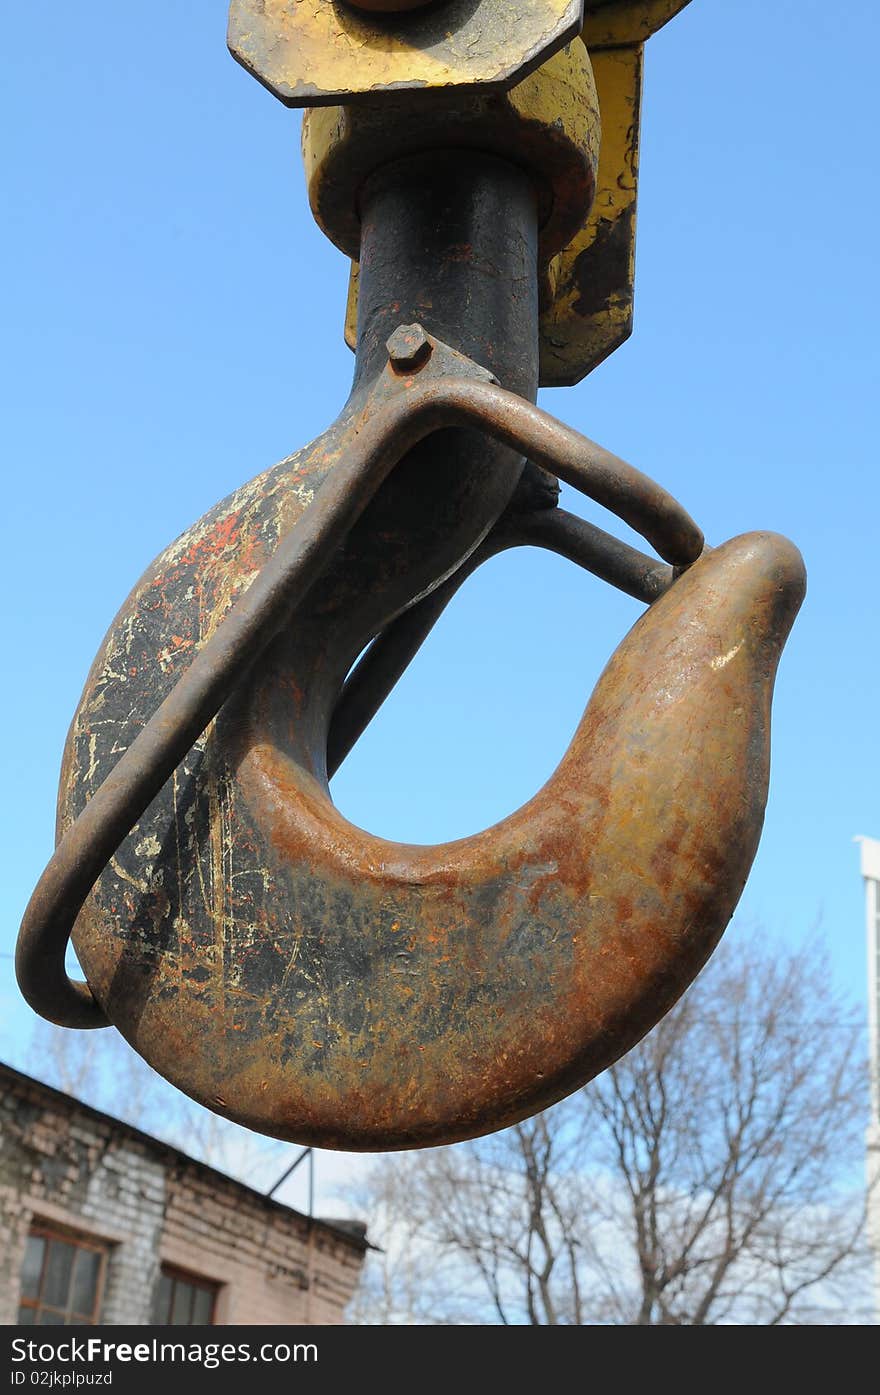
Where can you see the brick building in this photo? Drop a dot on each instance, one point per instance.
(100, 1223)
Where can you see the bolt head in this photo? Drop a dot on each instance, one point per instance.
(409, 348)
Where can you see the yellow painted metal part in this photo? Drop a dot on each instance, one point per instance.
(588, 305)
(351, 306)
(608, 23)
(549, 124)
(588, 287)
(313, 52)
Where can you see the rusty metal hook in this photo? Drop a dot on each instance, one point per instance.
(276, 963)
(398, 413)
(385, 996)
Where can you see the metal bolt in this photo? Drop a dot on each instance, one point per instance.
(409, 348)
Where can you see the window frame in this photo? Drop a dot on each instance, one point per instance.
(79, 1240)
(197, 1282)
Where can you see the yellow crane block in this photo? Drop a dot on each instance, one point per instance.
(588, 290)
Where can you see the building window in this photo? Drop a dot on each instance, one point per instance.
(61, 1280)
(182, 1300)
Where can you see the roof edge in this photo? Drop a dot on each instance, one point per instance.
(342, 1231)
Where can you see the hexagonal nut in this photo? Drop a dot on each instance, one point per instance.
(409, 348)
(312, 53)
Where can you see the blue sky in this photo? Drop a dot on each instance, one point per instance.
(173, 324)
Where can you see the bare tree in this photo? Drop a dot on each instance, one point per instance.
(714, 1175)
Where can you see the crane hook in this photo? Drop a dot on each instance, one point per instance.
(323, 985)
(278, 964)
